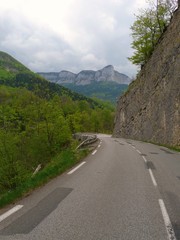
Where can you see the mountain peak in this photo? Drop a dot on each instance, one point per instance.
(11, 64)
(109, 67)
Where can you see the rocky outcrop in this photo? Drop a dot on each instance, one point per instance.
(150, 109)
(87, 76)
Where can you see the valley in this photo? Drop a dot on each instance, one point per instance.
(106, 84)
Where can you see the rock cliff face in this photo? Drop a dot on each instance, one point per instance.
(87, 76)
(150, 109)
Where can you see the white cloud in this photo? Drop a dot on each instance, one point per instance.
(71, 35)
(92, 62)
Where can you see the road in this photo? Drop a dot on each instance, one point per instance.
(124, 190)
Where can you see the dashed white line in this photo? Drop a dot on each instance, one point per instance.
(167, 222)
(10, 212)
(76, 168)
(152, 178)
(94, 152)
(145, 160)
(151, 173)
(134, 147)
(99, 145)
(138, 151)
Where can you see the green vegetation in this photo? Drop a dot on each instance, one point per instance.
(14, 74)
(40, 86)
(11, 65)
(37, 121)
(149, 27)
(56, 166)
(174, 148)
(5, 75)
(106, 91)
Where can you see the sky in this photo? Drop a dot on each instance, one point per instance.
(73, 35)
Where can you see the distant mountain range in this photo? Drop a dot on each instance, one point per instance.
(85, 77)
(106, 84)
(15, 74)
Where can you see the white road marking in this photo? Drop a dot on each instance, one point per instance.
(144, 159)
(134, 147)
(151, 173)
(99, 145)
(152, 178)
(138, 151)
(10, 212)
(76, 168)
(94, 152)
(167, 222)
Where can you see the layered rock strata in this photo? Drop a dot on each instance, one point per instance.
(86, 77)
(150, 109)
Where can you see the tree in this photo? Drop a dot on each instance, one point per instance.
(148, 28)
(34, 130)
(12, 171)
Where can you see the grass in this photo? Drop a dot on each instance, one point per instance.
(58, 165)
(174, 148)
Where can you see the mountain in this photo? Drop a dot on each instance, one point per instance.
(85, 77)
(15, 74)
(10, 65)
(105, 84)
(150, 108)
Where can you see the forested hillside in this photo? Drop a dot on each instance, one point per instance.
(106, 84)
(106, 91)
(37, 121)
(15, 74)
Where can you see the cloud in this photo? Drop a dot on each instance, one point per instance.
(37, 47)
(70, 35)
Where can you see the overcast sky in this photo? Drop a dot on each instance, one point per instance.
(55, 35)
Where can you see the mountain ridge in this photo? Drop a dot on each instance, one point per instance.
(10, 64)
(85, 77)
(14, 74)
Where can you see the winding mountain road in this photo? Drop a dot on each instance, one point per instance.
(124, 190)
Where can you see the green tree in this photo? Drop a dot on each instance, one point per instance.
(34, 130)
(12, 170)
(148, 28)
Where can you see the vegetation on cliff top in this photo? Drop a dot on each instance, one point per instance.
(149, 27)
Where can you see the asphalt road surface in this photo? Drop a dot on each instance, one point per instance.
(124, 190)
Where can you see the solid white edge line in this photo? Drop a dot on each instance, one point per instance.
(74, 169)
(94, 152)
(167, 222)
(153, 178)
(10, 212)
